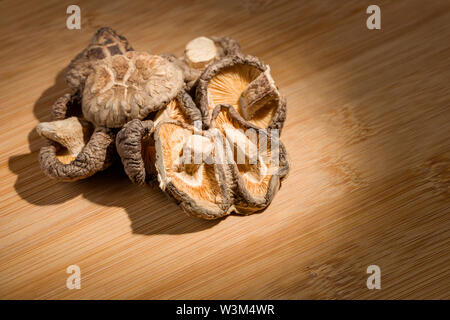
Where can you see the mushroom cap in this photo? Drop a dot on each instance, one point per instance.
(129, 86)
(104, 43)
(206, 186)
(135, 143)
(211, 188)
(96, 155)
(262, 166)
(245, 83)
(201, 189)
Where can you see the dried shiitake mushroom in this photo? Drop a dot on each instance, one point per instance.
(217, 157)
(75, 149)
(245, 83)
(202, 189)
(129, 86)
(259, 159)
(201, 52)
(105, 43)
(224, 169)
(135, 143)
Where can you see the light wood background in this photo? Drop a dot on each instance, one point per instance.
(368, 134)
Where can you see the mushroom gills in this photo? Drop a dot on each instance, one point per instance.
(257, 169)
(195, 185)
(251, 162)
(236, 85)
(173, 111)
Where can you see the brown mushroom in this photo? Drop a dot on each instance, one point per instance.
(104, 43)
(74, 149)
(236, 164)
(259, 159)
(129, 86)
(135, 143)
(245, 83)
(214, 172)
(202, 188)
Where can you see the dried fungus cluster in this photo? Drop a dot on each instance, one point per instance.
(205, 125)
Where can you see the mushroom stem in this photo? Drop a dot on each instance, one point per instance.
(72, 133)
(257, 94)
(200, 52)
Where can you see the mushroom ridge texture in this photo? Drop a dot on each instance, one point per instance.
(104, 43)
(245, 83)
(130, 86)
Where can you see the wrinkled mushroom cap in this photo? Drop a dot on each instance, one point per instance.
(259, 159)
(129, 86)
(74, 149)
(135, 143)
(245, 83)
(95, 156)
(104, 43)
(136, 149)
(199, 188)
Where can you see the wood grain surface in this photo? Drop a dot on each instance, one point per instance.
(367, 132)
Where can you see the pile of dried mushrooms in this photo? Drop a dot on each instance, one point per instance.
(206, 125)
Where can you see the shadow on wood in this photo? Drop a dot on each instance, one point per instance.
(149, 209)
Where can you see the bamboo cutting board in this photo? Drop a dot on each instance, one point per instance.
(367, 132)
